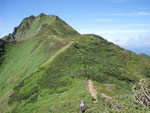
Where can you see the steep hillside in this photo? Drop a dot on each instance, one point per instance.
(47, 64)
(49, 24)
(144, 55)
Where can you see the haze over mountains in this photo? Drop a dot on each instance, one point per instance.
(140, 45)
(45, 65)
(139, 50)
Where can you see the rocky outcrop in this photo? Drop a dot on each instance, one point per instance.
(8, 38)
(23, 29)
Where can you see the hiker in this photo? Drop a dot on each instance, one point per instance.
(82, 106)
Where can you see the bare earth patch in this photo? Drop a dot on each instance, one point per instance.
(92, 91)
(61, 50)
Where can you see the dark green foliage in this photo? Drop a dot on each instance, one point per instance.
(144, 55)
(104, 60)
(2, 50)
(146, 71)
(87, 58)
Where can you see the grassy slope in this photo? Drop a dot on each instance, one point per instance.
(25, 55)
(58, 79)
(2, 44)
(44, 83)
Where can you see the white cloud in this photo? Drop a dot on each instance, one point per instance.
(1, 36)
(120, 31)
(143, 8)
(118, 1)
(139, 41)
(131, 14)
(140, 24)
(118, 41)
(145, 39)
(123, 37)
(143, 13)
(132, 41)
(102, 20)
(124, 42)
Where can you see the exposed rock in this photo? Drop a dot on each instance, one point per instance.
(23, 30)
(39, 29)
(9, 38)
(37, 19)
(53, 16)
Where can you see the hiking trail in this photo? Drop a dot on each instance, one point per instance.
(92, 91)
(61, 50)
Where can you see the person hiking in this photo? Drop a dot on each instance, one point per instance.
(82, 107)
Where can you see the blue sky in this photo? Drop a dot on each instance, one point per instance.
(124, 22)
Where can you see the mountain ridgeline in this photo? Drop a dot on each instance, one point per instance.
(45, 65)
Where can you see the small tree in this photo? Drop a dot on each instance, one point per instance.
(142, 94)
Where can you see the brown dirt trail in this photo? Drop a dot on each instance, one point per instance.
(60, 51)
(92, 91)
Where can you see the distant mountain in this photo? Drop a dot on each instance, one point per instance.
(144, 55)
(46, 65)
(139, 49)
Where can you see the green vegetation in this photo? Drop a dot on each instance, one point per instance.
(144, 55)
(46, 68)
(2, 45)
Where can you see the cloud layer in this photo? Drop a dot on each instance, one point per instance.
(105, 31)
(131, 14)
(118, 1)
(102, 20)
(143, 40)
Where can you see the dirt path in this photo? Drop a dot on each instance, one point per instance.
(61, 50)
(92, 91)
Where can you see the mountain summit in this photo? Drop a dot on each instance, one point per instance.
(33, 25)
(45, 66)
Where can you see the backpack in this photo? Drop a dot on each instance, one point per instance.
(83, 108)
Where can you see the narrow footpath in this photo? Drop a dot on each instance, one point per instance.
(92, 91)
(60, 51)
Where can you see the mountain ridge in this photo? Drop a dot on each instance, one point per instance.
(34, 25)
(46, 66)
